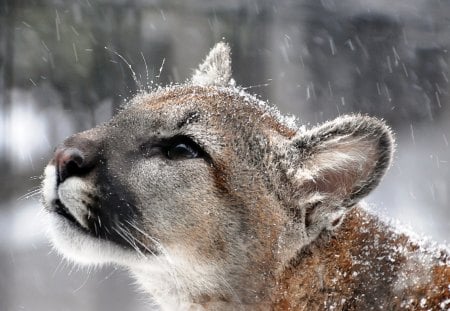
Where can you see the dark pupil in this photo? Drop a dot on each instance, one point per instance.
(181, 151)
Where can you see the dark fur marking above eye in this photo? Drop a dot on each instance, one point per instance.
(188, 118)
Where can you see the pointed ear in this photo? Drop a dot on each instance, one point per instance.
(338, 163)
(215, 69)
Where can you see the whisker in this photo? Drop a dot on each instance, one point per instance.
(72, 269)
(168, 265)
(138, 84)
(172, 271)
(31, 193)
(256, 86)
(84, 282)
(146, 70)
(108, 276)
(61, 261)
(131, 242)
(142, 232)
(227, 285)
(161, 69)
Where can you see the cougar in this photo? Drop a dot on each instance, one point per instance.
(213, 200)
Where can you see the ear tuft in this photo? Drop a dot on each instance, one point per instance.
(216, 68)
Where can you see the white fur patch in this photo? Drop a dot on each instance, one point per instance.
(49, 184)
(79, 247)
(174, 277)
(73, 194)
(69, 240)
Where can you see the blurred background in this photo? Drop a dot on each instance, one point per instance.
(61, 71)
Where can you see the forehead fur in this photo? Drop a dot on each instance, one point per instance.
(227, 106)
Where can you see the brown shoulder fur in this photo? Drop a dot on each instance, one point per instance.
(365, 266)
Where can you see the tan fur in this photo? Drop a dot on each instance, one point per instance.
(261, 217)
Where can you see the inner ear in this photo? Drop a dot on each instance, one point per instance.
(344, 159)
(341, 166)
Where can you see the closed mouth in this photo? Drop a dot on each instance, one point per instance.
(109, 227)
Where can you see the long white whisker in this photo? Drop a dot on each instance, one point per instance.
(256, 86)
(138, 84)
(171, 267)
(146, 71)
(161, 69)
(89, 272)
(228, 286)
(128, 240)
(31, 193)
(61, 261)
(108, 276)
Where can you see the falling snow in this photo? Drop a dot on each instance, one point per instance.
(71, 65)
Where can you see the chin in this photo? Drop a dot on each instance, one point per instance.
(78, 247)
(75, 245)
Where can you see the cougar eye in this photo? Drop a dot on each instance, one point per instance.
(181, 151)
(182, 148)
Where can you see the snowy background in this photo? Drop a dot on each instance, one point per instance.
(59, 74)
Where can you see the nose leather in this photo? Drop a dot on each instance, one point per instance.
(69, 162)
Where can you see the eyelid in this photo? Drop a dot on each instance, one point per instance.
(183, 138)
(158, 146)
(180, 139)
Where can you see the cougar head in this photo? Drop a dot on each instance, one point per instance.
(202, 190)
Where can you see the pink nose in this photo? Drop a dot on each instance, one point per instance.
(69, 162)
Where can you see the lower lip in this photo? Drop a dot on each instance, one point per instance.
(62, 210)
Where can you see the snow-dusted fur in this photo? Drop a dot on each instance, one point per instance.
(215, 69)
(215, 201)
